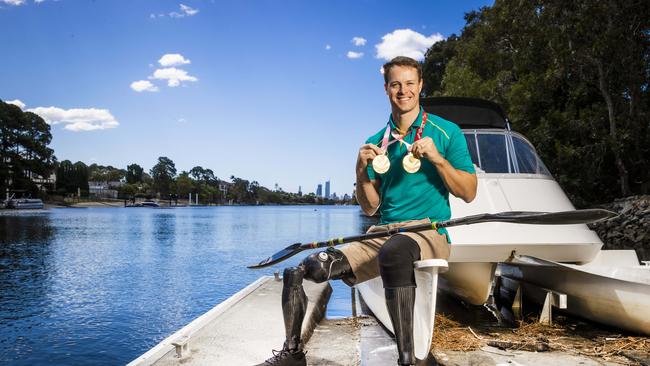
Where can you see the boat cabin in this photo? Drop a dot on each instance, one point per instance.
(493, 146)
(511, 177)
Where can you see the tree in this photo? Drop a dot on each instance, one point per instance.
(573, 77)
(436, 60)
(24, 151)
(204, 175)
(184, 184)
(163, 174)
(70, 178)
(100, 173)
(134, 173)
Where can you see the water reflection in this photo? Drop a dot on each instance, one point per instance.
(101, 286)
(25, 271)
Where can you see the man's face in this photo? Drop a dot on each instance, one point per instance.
(403, 88)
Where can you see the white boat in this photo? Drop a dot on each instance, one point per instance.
(511, 177)
(24, 203)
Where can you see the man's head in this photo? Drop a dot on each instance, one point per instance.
(403, 83)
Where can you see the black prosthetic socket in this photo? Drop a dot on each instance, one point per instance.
(294, 306)
(396, 259)
(400, 302)
(328, 265)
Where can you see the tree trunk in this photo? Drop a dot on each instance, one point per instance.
(616, 148)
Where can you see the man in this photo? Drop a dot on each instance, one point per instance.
(406, 190)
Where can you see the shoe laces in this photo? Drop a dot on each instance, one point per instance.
(277, 356)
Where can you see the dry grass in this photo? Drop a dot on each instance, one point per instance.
(450, 335)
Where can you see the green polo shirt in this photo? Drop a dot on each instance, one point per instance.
(406, 196)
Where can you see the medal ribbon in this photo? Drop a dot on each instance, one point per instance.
(398, 137)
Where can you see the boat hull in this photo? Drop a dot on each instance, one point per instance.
(426, 278)
(610, 291)
(470, 282)
(25, 204)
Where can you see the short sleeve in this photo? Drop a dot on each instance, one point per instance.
(457, 153)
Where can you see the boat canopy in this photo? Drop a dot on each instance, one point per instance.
(467, 112)
(502, 151)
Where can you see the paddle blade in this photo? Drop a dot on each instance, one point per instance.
(560, 218)
(536, 218)
(285, 253)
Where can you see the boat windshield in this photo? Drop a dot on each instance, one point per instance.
(503, 152)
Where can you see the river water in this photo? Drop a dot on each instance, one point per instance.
(101, 286)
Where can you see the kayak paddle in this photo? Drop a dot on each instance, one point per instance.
(514, 217)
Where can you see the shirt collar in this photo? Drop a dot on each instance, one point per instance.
(416, 124)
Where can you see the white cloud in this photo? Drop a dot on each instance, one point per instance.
(173, 59)
(143, 85)
(77, 119)
(173, 76)
(328, 47)
(38, 1)
(13, 2)
(182, 120)
(186, 11)
(16, 102)
(353, 55)
(405, 42)
(189, 11)
(359, 41)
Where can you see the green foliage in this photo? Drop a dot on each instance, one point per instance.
(100, 173)
(72, 178)
(573, 77)
(163, 174)
(24, 151)
(134, 174)
(436, 60)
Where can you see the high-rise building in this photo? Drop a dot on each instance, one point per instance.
(299, 190)
(319, 190)
(327, 189)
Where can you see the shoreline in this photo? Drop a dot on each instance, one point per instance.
(164, 204)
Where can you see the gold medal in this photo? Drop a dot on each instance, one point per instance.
(410, 163)
(380, 164)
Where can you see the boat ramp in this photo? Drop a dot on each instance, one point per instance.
(244, 329)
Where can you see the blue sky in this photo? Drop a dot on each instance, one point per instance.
(275, 91)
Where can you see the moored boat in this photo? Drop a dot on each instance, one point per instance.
(512, 177)
(24, 203)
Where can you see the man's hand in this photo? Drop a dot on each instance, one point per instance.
(367, 152)
(425, 148)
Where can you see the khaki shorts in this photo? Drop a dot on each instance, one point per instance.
(363, 255)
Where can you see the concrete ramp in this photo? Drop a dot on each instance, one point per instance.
(240, 331)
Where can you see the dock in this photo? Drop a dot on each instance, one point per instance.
(244, 329)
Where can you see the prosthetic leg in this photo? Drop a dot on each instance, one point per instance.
(396, 259)
(400, 302)
(318, 267)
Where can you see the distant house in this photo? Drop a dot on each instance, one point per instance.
(103, 189)
(43, 184)
(224, 187)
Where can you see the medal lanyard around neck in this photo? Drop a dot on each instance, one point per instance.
(397, 137)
